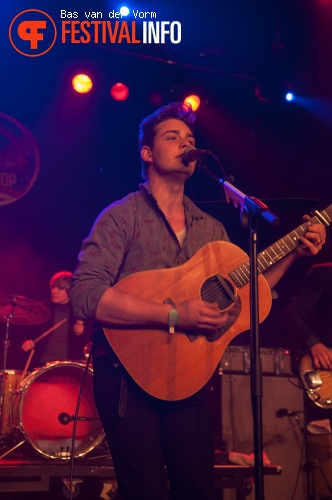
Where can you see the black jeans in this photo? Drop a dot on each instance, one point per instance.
(153, 433)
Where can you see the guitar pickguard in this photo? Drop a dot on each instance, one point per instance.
(316, 382)
(233, 314)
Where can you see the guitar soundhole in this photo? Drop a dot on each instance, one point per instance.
(218, 289)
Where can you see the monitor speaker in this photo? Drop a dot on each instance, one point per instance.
(283, 438)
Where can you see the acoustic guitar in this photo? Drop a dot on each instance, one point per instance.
(173, 367)
(317, 383)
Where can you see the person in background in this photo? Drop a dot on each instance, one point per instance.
(66, 342)
(155, 228)
(308, 322)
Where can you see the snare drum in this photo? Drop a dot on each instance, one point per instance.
(44, 404)
(12, 381)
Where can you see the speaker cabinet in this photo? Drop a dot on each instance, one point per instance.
(320, 453)
(283, 438)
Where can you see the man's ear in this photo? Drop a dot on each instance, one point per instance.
(146, 153)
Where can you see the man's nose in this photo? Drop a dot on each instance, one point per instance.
(185, 143)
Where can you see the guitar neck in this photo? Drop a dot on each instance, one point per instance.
(271, 255)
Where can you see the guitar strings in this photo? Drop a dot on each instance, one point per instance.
(213, 294)
(242, 273)
(214, 290)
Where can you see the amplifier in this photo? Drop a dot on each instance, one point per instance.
(282, 437)
(275, 361)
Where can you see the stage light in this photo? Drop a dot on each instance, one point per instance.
(124, 11)
(194, 101)
(289, 96)
(82, 83)
(119, 92)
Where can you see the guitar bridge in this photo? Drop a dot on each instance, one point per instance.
(313, 380)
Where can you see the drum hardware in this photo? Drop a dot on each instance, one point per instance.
(23, 311)
(9, 317)
(32, 412)
(86, 350)
(64, 418)
(18, 310)
(31, 405)
(12, 449)
(40, 401)
(12, 380)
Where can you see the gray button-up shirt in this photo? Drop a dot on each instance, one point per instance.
(133, 235)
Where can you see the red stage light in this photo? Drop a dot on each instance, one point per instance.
(119, 91)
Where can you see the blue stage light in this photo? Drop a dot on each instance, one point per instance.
(124, 11)
(289, 96)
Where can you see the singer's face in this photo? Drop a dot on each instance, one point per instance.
(171, 138)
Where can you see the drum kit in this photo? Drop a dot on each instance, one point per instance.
(38, 409)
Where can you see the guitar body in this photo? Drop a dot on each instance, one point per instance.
(175, 366)
(317, 383)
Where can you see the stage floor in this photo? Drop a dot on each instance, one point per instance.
(94, 478)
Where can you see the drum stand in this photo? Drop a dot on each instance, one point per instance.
(6, 344)
(12, 449)
(19, 310)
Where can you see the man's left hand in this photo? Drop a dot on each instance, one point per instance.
(313, 240)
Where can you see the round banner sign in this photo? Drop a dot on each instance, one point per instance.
(19, 160)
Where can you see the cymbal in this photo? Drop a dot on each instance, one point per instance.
(24, 311)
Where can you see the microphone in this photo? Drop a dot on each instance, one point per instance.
(192, 154)
(64, 418)
(283, 412)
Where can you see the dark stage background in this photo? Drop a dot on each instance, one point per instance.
(239, 56)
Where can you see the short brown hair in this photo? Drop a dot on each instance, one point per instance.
(147, 130)
(62, 279)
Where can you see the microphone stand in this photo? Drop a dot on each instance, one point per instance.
(252, 209)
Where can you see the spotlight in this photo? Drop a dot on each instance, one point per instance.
(124, 11)
(289, 96)
(82, 83)
(119, 92)
(194, 101)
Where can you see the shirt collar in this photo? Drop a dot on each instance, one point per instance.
(190, 208)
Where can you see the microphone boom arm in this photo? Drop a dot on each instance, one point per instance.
(250, 204)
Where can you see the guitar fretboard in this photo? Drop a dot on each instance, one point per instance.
(279, 249)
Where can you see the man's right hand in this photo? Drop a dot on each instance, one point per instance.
(196, 314)
(321, 356)
(28, 345)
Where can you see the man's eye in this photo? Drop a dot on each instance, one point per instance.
(171, 138)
